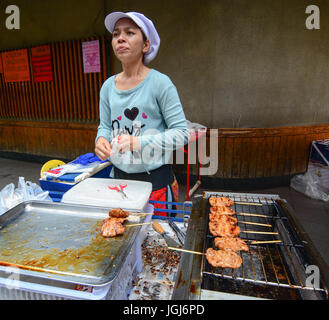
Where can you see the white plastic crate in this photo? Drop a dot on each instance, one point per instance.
(96, 192)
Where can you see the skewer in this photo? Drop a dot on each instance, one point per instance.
(261, 242)
(20, 266)
(184, 250)
(256, 223)
(251, 214)
(137, 224)
(140, 213)
(249, 203)
(259, 232)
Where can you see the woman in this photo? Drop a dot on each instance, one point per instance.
(141, 116)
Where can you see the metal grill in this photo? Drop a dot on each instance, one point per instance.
(272, 264)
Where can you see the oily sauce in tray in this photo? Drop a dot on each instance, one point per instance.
(58, 242)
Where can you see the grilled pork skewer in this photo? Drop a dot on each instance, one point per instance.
(118, 213)
(229, 243)
(223, 258)
(220, 201)
(112, 227)
(222, 217)
(222, 210)
(225, 201)
(222, 228)
(216, 214)
(217, 258)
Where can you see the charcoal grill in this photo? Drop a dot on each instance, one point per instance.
(284, 270)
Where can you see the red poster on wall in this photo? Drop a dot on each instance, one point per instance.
(41, 63)
(16, 65)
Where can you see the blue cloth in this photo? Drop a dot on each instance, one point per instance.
(87, 158)
(152, 111)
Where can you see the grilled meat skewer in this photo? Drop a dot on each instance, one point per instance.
(112, 227)
(229, 243)
(220, 201)
(223, 258)
(221, 228)
(222, 217)
(118, 213)
(222, 210)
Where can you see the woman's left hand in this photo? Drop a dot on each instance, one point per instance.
(127, 142)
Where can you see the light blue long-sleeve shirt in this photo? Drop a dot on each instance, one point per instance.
(153, 112)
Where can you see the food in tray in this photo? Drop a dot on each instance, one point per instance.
(112, 227)
(220, 201)
(219, 228)
(223, 258)
(118, 213)
(230, 243)
(222, 210)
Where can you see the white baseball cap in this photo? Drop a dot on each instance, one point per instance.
(144, 23)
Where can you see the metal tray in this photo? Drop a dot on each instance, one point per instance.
(62, 242)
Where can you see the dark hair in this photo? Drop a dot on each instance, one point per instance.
(144, 36)
(144, 39)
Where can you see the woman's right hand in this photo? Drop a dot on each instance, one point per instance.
(103, 148)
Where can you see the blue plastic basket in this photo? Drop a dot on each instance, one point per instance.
(57, 188)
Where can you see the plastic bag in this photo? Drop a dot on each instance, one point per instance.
(117, 157)
(195, 126)
(309, 185)
(196, 130)
(11, 197)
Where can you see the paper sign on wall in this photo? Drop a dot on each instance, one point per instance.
(91, 58)
(41, 63)
(16, 65)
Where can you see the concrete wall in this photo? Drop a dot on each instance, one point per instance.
(236, 63)
(44, 21)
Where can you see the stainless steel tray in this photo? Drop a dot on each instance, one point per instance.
(62, 242)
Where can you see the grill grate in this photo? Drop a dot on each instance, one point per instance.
(272, 264)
